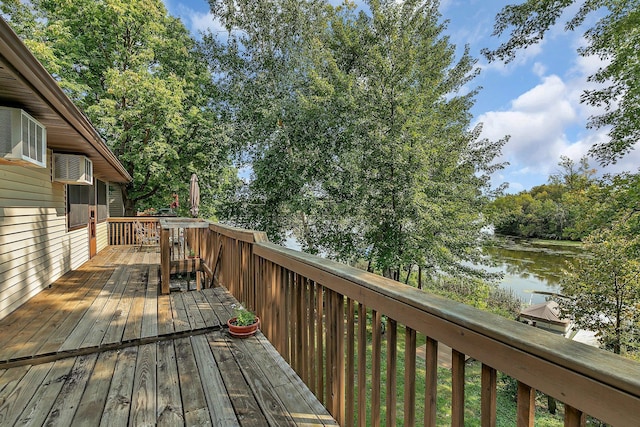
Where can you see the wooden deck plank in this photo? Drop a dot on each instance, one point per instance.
(121, 302)
(220, 407)
(143, 398)
(43, 399)
(193, 400)
(165, 315)
(22, 342)
(118, 404)
(10, 379)
(51, 326)
(94, 398)
(133, 328)
(221, 308)
(66, 405)
(208, 315)
(250, 356)
(291, 389)
(91, 315)
(244, 402)
(200, 380)
(180, 318)
(21, 395)
(150, 314)
(169, 409)
(196, 321)
(107, 315)
(61, 334)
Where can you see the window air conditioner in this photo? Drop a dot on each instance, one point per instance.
(72, 169)
(23, 140)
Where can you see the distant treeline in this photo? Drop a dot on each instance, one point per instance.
(569, 207)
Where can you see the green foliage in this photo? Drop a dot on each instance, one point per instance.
(356, 129)
(614, 38)
(604, 288)
(139, 76)
(244, 317)
(549, 211)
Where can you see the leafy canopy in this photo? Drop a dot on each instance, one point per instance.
(356, 128)
(138, 75)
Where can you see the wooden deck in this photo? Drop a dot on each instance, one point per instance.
(102, 347)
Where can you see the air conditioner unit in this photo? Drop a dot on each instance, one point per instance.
(72, 169)
(23, 140)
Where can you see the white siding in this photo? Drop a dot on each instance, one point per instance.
(35, 248)
(102, 236)
(114, 200)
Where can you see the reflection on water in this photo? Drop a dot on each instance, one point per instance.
(531, 265)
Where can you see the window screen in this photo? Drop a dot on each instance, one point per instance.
(101, 194)
(78, 205)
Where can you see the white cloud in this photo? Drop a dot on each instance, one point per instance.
(536, 123)
(539, 69)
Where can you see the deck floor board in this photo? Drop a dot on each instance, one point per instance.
(102, 347)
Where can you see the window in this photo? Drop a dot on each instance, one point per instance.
(78, 205)
(101, 200)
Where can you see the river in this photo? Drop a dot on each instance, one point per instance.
(532, 265)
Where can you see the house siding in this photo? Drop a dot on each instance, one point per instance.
(102, 235)
(35, 247)
(116, 205)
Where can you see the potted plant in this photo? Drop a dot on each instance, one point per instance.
(192, 253)
(244, 323)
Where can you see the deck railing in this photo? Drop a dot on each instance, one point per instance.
(137, 230)
(353, 338)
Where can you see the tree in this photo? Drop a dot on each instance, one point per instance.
(357, 132)
(139, 77)
(614, 38)
(604, 288)
(573, 177)
(557, 210)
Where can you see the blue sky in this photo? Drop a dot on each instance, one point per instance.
(535, 99)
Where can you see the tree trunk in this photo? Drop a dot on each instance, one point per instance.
(551, 403)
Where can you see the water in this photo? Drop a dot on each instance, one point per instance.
(531, 265)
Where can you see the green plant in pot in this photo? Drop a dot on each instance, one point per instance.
(244, 323)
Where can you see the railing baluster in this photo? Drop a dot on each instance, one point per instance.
(376, 358)
(409, 377)
(431, 382)
(320, 347)
(304, 328)
(313, 372)
(350, 368)
(573, 417)
(526, 405)
(392, 365)
(457, 388)
(337, 368)
(488, 396)
(362, 365)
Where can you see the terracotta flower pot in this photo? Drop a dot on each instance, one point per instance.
(242, 331)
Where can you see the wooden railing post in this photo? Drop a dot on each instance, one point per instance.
(457, 388)
(165, 268)
(574, 417)
(431, 382)
(526, 405)
(488, 396)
